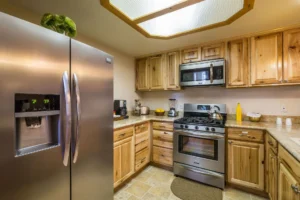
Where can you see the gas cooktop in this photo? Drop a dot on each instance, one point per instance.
(200, 121)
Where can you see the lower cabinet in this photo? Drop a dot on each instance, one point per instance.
(272, 174)
(123, 160)
(246, 164)
(142, 145)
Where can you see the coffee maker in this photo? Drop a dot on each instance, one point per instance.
(120, 107)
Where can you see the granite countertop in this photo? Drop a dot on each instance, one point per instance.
(282, 134)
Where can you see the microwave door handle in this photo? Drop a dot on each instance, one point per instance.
(211, 73)
(67, 95)
(78, 116)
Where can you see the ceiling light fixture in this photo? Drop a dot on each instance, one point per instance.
(165, 19)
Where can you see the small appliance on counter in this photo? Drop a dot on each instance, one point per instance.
(145, 110)
(172, 104)
(120, 107)
(137, 108)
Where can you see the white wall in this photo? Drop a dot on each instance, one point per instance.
(124, 75)
(268, 100)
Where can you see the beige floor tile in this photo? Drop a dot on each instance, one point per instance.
(254, 197)
(236, 194)
(173, 197)
(143, 176)
(134, 198)
(149, 196)
(138, 188)
(121, 195)
(163, 191)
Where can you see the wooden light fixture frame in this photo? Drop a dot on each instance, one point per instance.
(248, 5)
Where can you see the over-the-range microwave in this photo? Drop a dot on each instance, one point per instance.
(210, 72)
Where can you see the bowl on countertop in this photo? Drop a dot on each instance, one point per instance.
(254, 119)
(159, 113)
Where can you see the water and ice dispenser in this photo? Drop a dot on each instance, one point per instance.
(37, 121)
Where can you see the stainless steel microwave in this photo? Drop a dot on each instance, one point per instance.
(203, 73)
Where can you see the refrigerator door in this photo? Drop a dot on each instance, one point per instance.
(92, 150)
(32, 62)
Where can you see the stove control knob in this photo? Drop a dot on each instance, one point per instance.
(196, 127)
(181, 126)
(186, 126)
(213, 129)
(207, 129)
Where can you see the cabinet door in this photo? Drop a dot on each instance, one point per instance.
(172, 70)
(272, 175)
(191, 55)
(117, 164)
(291, 47)
(142, 74)
(237, 63)
(266, 59)
(127, 162)
(285, 183)
(156, 64)
(214, 51)
(245, 164)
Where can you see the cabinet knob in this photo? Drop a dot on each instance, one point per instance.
(229, 142)
(295, 189)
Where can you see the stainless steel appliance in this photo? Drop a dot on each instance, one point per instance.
(199, 145)
(120, 107)
(210, 72)
(172, 108)
(56, 128)
(145, 110)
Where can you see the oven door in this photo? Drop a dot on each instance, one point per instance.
(200, 149)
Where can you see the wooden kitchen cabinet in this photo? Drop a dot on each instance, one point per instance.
(213, 51)
(142, 74)
(142, 145)
(246, 164)
(291, 48)
(172, 70)
(237, 63)
(285, 183)
(266, 59)
(272, 174)
(156, 65)
(191, 55)
(123, 160)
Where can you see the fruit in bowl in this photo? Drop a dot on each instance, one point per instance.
(159, 112)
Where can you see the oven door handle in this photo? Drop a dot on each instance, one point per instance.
(205, 172)
(201, 135)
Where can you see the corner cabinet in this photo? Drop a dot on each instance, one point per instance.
(291, 47)
(172, 70)
(237, 63)
(266, 59)
(142, 74)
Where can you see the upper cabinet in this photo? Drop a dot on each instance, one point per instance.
(156, 65)
(172, 70)
(266, 59)
(191, 55)
(291, 47)
(237, 63)
(142, 74)
(213, 51)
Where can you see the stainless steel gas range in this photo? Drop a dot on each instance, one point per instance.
(199, 144)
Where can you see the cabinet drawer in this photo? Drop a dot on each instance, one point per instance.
(142, 145)
(163, 135)
(289, 161)
(141, 128)
(141, 137)
(246, 134)
(273, 144)
(163, 144)
(123, 133)
(163, 126)
(163, 156)
(141, 158)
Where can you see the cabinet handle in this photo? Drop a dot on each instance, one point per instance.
(295, 188)
(270, 143)
(162, 126)
(251, 137)
(143, 160)
(165, 133)
(229, 142)
(121, 135)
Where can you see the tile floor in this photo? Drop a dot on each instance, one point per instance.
(154, 184)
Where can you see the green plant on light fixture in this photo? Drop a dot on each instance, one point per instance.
(60, 24)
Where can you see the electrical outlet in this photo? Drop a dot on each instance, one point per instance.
(283, 108)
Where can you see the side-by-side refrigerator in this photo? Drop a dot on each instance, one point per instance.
(56, 124)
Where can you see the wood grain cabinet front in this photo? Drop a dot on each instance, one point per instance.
(266, 59)
(156, 65)
(213, 51)
(291, 48)
(142, 74)
(191, 55)
(172, 71)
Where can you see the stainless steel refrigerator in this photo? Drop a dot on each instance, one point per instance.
(56, 124)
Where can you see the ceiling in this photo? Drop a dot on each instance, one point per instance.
(99, 24)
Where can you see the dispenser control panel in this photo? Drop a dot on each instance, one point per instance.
(36, 102)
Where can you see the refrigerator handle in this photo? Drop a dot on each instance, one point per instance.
(68, 118)
(77, 135)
